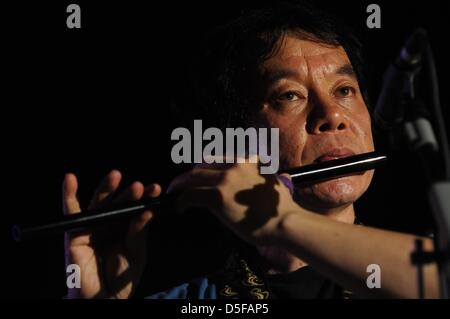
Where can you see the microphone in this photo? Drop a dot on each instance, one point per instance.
(299, 175)
(398, 82)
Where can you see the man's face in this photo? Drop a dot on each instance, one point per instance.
(312, 95)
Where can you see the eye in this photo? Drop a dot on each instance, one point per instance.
(289, 96)
(345, 91)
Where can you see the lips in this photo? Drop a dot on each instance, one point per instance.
(333, 154)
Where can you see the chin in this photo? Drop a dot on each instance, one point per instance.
(334, 193)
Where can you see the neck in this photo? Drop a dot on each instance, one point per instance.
(281, 261)
(344, 214)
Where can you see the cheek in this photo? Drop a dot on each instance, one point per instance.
(292, 135)
(363, 129)
(293, 138)
(291, 147)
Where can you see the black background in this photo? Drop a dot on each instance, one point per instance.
(92, 99)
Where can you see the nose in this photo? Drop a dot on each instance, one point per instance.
(326, 117)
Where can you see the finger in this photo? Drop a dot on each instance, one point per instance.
(138, 224)
(197, 177)
(106, 188)
(136, 238)
(137, 232)
(152, 190)
(70, 201)
(71, 206)
(132, 193)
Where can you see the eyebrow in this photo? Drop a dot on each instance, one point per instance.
(346, 69)
(279, 74)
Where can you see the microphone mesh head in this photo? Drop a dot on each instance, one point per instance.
(413, 48)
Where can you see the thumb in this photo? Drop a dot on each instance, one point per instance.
(137, 231)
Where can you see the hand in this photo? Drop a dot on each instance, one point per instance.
(111, 258)
(250, 204)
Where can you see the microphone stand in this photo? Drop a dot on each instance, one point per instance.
(417, 132)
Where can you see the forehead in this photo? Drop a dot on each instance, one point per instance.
(306, 57)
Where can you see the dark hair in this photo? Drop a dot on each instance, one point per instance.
(222, 76)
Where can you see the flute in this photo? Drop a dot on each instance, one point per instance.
(91, 218)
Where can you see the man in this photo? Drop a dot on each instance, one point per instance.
(291, 68)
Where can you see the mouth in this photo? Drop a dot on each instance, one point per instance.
(333, 154)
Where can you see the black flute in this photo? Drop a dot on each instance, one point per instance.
(299, 175)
